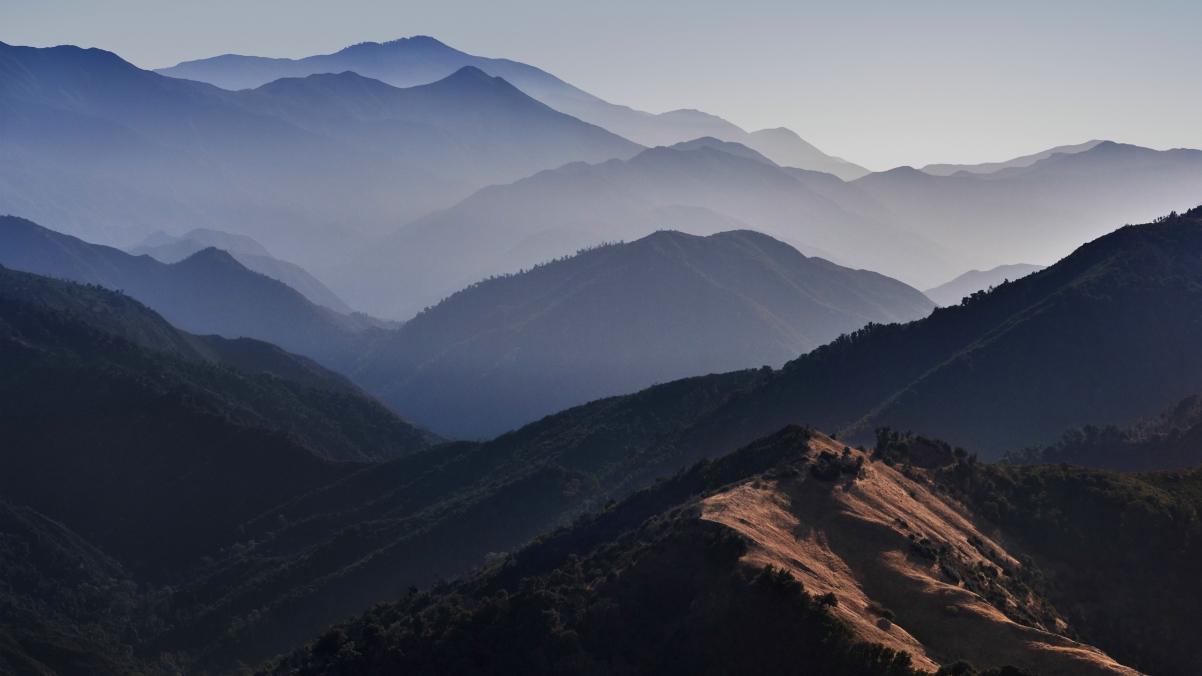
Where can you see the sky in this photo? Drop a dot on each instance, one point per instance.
(880, 83)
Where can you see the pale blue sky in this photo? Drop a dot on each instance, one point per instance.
(881, 83)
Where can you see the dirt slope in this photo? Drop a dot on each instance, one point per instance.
(883, 542)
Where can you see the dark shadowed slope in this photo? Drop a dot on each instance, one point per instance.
(619, 318)
(1109, 334)
(208, 292)
(420, 60)
(951, 293)
(99, 148)
(158, 453)
(163, 461)
(100, 315)
(1172, 440)
(428, 259)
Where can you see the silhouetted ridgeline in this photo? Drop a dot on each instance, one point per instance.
(1109, 333)
(618, 318)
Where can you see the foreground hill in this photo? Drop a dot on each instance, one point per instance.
(208, 292)
(581, 205)
(792, 550)
(619, 318)
(1109, 334)
(99, 148)
(419, 60)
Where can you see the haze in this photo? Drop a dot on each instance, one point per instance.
(882, 84)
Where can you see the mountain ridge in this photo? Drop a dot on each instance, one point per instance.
(421, 59)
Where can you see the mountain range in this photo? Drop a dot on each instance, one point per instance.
(97, 147)
(699, 429)
(341, 537)
(700, 188)
(419, 60)
(616, 319)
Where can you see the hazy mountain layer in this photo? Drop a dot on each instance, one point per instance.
(99, 148)
(990, 167)
(170, 249)
(619, 318)
(208, 292)
(1043, 211)
(418, 60)
(428, 259)
(973, 281)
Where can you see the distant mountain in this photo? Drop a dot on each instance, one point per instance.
(1108, 334)
(557, 212)
(990, 167)
(616, 319)
(101, 149)
(418, 60)
(203, 237)
(1040, 212)
(208, 292)
(170, 249)
(973, 281)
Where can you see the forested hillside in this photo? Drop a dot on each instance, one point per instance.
(1110, 333)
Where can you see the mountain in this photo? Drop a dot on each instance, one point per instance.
(951, 293)
(1106, 335)
(616, 319)
(98, 148)
(170, 249)
(990, 167)
(1039, 212)
(418, 60)
(1172, 440)
(371, 531)
(559, 211)
(208, 292)
(754, 563)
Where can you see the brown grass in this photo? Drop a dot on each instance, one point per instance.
(848, 539)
